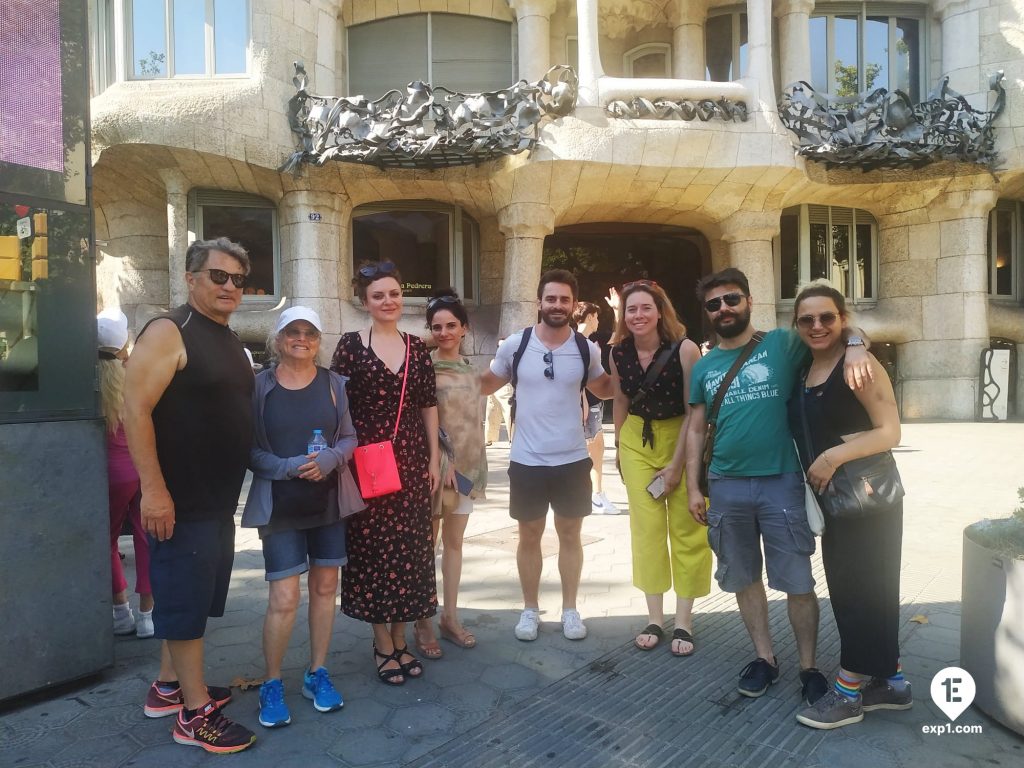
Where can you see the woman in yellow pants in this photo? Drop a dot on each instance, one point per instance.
(651, 364)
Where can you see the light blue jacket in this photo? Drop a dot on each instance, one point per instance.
(267, 466)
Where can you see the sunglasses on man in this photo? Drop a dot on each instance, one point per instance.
(730, 299)
(220, 277)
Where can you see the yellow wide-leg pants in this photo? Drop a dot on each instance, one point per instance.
(670, 548)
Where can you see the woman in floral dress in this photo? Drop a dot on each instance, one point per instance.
(389, 579)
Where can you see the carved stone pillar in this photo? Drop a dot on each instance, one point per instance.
(525, 225)
(323, 72)
(534, 20)
(947, 265)
(589, 47)
(312, 267)
(794, 40)
(759, 33)
(748, 243)
(961, 44)
(177, 234)
(688, 17)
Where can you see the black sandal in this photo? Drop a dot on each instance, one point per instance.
(650, 629)
(412, 668)
(388, 676)
(681, 634)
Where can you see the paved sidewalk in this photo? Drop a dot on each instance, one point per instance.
(597, 702)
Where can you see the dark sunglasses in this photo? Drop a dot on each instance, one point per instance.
(219, 277)
(639, 284)
(442, 300)
(827, 320)
(301, 333)
(730, 299)
(371, 271)
(549, 372)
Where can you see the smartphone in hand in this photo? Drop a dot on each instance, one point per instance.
(657, 487)
(463, 484)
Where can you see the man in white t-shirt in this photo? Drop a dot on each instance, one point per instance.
(549, 464)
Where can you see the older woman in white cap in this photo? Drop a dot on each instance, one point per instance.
(122, 479)
(301, 493)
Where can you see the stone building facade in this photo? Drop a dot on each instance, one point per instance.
(190, 120)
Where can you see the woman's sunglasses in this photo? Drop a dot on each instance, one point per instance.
(219, 277)
(372, 271)
(442, 300)
(639, 284)
(730, 299)
(827, 320)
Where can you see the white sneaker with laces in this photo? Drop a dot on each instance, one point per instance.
(144, 625)
(124, 621)
(572, 625)
(529, 624)
(607, 507)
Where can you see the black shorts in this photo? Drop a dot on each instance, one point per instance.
(190, 573)
(565, 488)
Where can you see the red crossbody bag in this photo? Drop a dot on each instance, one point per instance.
(376, 468)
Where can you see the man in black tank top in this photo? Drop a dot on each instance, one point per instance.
(188, 418)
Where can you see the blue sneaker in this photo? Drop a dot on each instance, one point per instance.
(317, 686)
(273, 711)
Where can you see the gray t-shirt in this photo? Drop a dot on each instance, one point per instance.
(549, 412)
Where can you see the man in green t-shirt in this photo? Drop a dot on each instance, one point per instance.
(756, 485)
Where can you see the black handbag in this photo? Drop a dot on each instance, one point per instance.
(858, 488)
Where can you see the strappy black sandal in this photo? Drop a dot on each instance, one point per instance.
(412, 668)
(389, 676)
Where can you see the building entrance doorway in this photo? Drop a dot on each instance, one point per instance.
(606, 255)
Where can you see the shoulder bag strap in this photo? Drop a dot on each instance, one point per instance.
(727, 381)
(524, 342)
(654, 371)
(405, 378)
(584, 347)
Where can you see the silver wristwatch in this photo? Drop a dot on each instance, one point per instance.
(854, 341)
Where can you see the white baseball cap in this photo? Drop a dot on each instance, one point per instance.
(111, 329)
(292, 314)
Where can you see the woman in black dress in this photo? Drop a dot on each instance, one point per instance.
(389, 579)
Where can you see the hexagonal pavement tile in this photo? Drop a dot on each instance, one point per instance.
(507, 677)
(99, 751)
(369, 746)
(362, 712)
(426, 719)
(453, 671)
(470, 698)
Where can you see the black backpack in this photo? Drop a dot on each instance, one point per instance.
(581, 344)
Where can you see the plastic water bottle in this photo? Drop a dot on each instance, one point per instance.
(318, 443)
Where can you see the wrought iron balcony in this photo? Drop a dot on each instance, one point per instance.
(427, 126)
(886, 130)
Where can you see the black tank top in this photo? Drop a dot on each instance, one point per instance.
(666, 397)
(203, 421)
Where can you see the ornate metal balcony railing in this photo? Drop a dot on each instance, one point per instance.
(427, 126)
(886, 130)
(640, 108)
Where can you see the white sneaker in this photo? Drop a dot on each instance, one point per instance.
(529, 623)
(572, 625)
(124, 621)
(144, 626)
(602, 505)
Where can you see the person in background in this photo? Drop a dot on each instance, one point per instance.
(122, 479)
(670, 548)
(585, 319)
(862, 554)
(389, 579)
(188, 417)
(459, 406)
(301, 494)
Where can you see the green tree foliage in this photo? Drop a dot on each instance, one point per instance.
(847, 78)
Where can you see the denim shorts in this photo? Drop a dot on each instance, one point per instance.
(190, 573)
(290, 552)
(745, 511)
(594, 422)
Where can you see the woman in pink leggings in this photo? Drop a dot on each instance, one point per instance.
(122, 479)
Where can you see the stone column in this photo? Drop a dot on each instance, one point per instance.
(794, 40)
(687, 19)
(324, 75)
(312, 267)
(177, 234)
(961, 49)
(948, 265)
(748, 244)
(759, 33)
(525, 225)
(589, 46)
(533, 18)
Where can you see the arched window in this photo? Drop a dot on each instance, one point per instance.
(648, 60)
(245, 219)
(839, 244)
(434, 245)
(463, 53)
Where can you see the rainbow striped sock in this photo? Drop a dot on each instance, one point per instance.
(848, 685)
(898, 681)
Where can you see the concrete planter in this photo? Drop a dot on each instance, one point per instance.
(992, 631)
